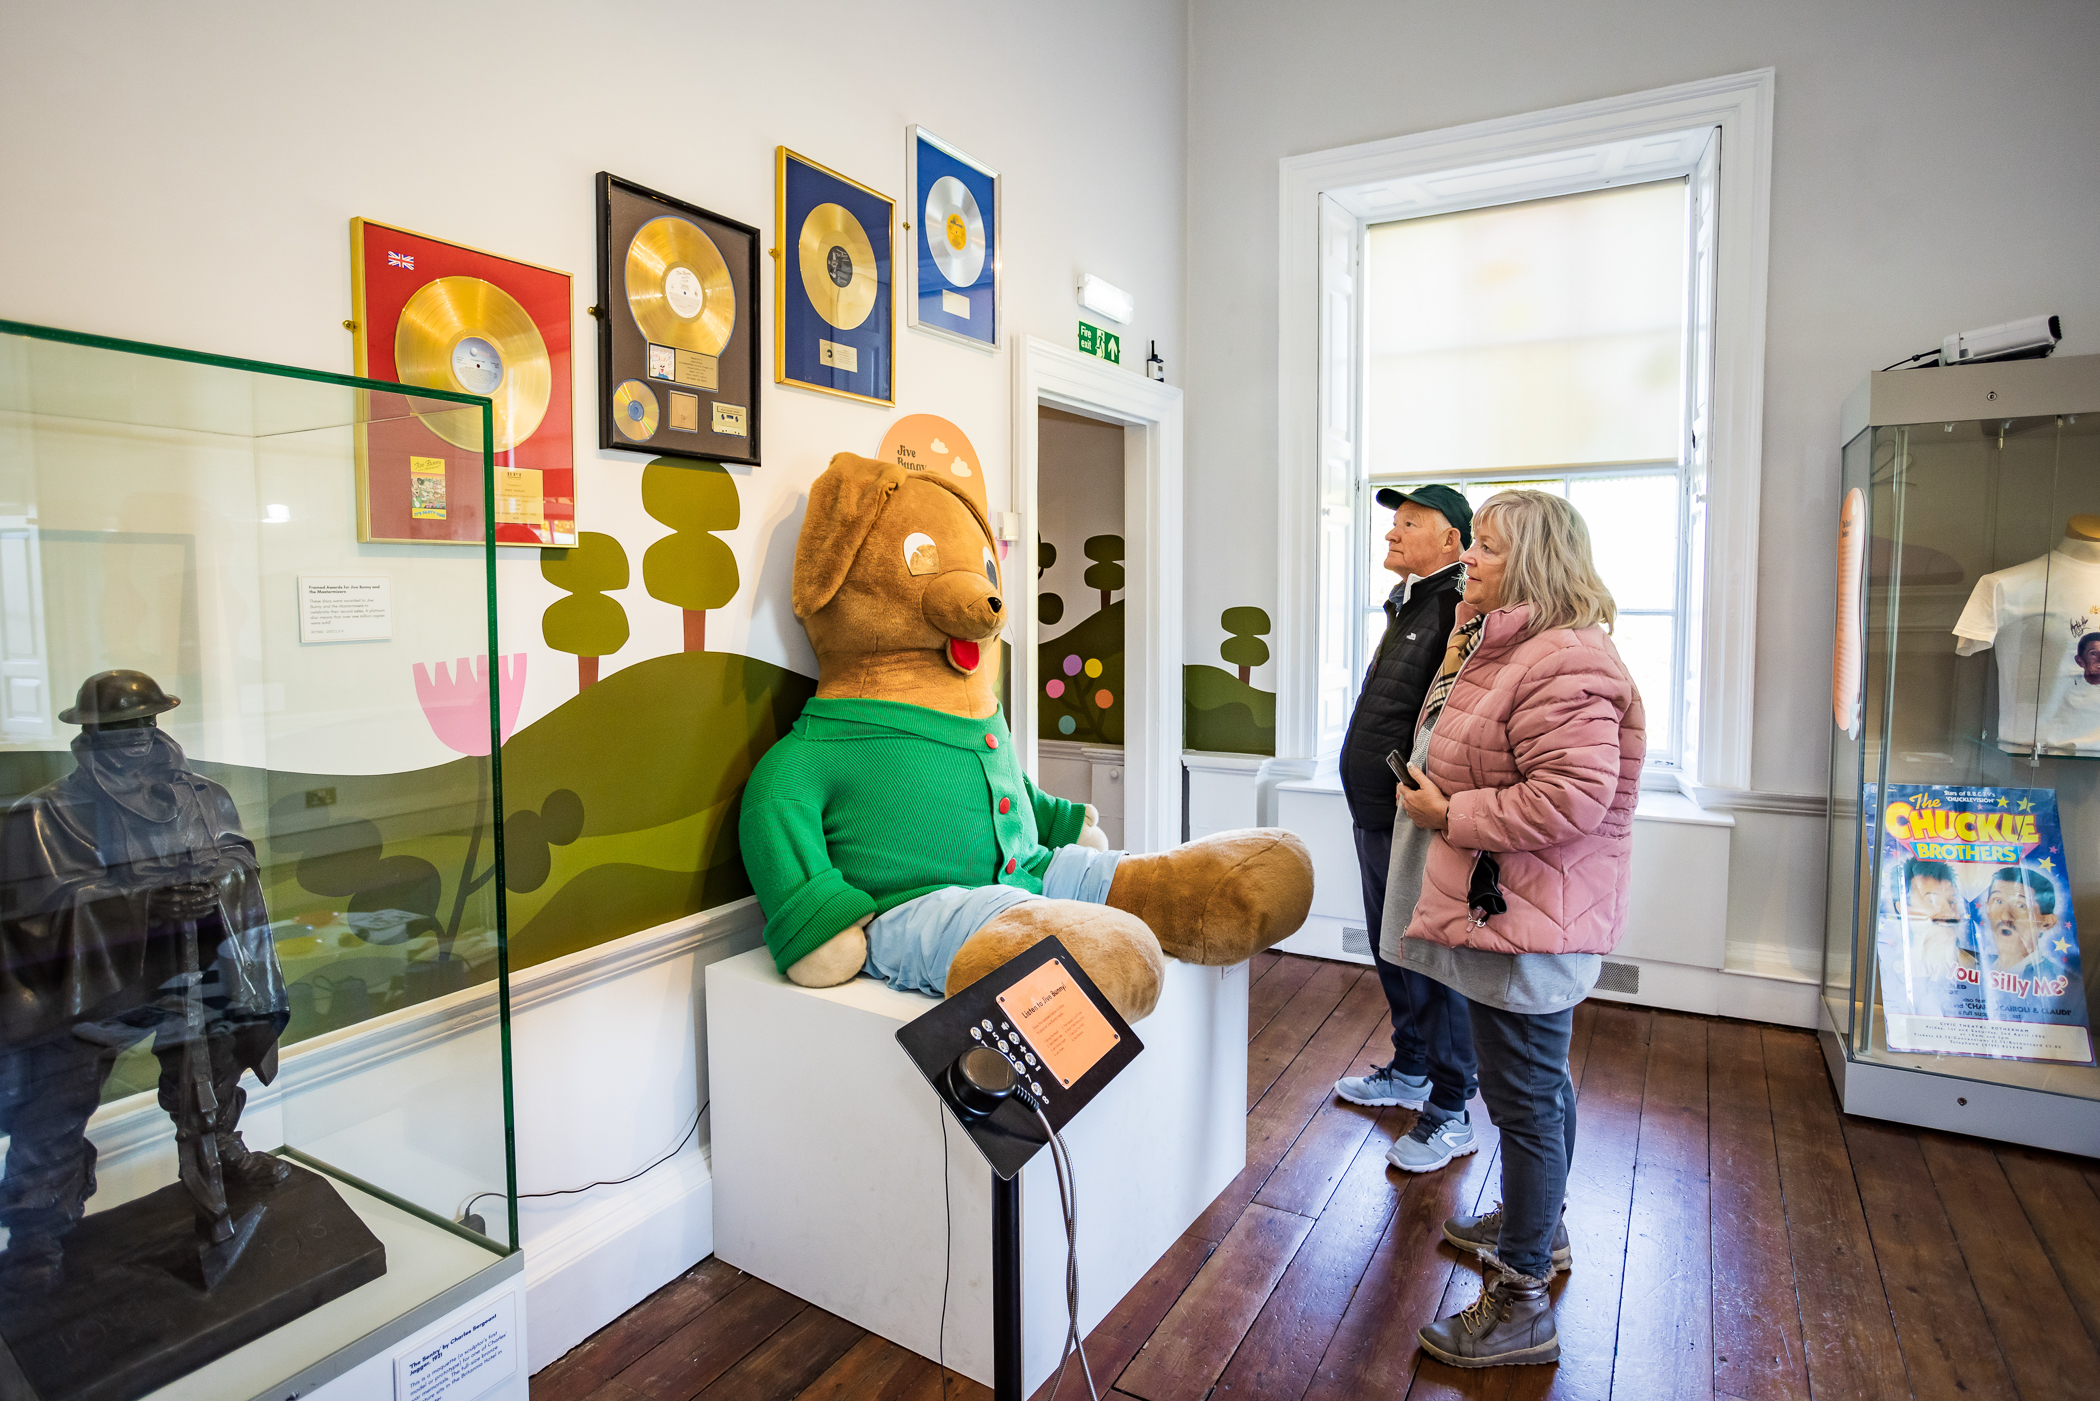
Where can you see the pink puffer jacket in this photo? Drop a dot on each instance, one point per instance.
(1539, 748)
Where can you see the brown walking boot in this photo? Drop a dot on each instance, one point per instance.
(1511, 1322)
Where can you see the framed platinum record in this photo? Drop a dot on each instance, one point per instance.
(678, 370)
(953, 235)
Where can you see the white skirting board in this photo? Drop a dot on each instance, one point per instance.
(828, 1152)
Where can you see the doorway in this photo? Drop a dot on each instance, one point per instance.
(1079, 607)
(1109, 433)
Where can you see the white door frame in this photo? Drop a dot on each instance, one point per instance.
(1150, 414)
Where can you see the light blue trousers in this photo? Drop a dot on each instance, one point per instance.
(911, 946)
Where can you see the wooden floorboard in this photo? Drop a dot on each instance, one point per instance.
(1846, 1331)
(1665, 1347)
(1272, 1050)
(2037, 1328)
(1947, 1344)
(1736, 1237)
(1199, 1334)
(1756, 1321)
(2065, 1214)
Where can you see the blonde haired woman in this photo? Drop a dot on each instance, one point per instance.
(1527, 762)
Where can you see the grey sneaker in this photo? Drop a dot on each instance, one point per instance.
(1384, 1086)
(1511, 1322)
(1481, 1234)
(1428, 1146)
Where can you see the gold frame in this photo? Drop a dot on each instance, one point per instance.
(780, 279)
(361, 367)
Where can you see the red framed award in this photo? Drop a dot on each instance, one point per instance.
(444, 316)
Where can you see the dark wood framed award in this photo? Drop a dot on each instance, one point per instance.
(678, 368)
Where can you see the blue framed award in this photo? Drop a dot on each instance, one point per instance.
(954, 230)
(834, 309)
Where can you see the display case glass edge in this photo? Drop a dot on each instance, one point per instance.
(127, 466)
(1971, 485)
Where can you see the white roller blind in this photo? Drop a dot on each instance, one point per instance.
(1549, 333)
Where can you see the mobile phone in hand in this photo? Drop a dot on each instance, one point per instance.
(1398, 765)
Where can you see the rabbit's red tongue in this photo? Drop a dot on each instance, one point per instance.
(962, 655)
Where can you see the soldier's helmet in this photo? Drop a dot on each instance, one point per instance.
(108, 697)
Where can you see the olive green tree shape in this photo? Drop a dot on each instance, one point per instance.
(586, 624)
(1049, 607)
(691, 568)
(1245, 648)
(1106, 573)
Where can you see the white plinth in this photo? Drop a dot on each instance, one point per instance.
(827, 1159)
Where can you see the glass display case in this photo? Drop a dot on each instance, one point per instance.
(254, 1059)
(1964, 859)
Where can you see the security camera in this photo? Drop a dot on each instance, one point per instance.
(2027, 339)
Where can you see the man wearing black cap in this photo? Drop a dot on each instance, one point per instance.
(1433, 1059)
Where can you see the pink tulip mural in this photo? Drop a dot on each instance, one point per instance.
(457, 705)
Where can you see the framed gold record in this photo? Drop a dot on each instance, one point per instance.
(834, 324)
(445, 316)
(678, 369)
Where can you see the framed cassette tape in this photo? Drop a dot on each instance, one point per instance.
(953, 270)
(445, 316)
(678, 369)
(834, 325)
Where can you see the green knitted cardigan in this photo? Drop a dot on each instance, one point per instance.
(867, 804)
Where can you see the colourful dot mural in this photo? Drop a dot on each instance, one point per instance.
(1054, 689)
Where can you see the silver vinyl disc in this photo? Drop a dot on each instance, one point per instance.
(954, 231)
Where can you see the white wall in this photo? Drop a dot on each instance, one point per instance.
(1934, 168)
(187, 174)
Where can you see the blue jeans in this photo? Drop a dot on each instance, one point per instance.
(911, 946)
(1430, 1033)
(1524, 1079)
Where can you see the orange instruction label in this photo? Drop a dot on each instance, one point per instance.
(1066, 1029)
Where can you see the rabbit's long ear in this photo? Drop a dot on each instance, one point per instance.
(843, 505)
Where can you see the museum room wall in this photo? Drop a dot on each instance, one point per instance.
(186, 176)
(1930, 173)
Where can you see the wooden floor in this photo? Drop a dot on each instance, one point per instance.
(1735, 1236)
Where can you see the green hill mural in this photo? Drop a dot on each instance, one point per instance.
(1223, 711)
(620, 814)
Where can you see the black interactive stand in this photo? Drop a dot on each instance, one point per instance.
(992, 1077)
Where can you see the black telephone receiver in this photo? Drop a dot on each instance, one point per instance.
(1398, 765)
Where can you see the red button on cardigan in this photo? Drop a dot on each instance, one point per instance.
(991, 741)
(1005, 806)
(1010, 864)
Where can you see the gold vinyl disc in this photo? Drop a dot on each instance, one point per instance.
(678, 286)
(838, 266)
(464, 334)
(634, 410)
(954, 231)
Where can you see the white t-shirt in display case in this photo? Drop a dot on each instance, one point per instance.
(2036, 615)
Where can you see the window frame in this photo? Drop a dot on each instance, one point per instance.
(1663, 765)
(1534, 155)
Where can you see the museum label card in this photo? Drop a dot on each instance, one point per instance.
(462, 1359)
(345, 608)
(1057, 1017)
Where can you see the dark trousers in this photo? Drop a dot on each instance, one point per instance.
(1430, 1033)
(1524, 1079)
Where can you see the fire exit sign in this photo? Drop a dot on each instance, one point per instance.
(1106, 344)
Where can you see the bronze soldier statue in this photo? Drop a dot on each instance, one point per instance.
(130, 905)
